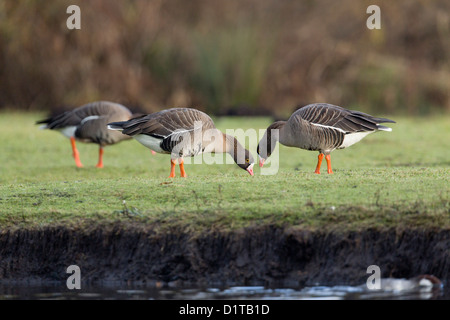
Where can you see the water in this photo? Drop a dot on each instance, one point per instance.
(56, 292)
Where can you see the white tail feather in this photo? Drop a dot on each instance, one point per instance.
(383, 128)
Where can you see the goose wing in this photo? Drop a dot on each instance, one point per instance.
(170, 127)
(85, 113)
(66, 119)
(167, 122)
(337, 117)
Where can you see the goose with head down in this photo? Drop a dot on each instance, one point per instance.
(320, 127)
(183, 132)
(88, 123)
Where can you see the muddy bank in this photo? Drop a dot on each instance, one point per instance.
(265, 255)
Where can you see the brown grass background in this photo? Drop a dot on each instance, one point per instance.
(227, 57)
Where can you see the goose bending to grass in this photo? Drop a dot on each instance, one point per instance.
(88, 123)
(183, 132)
(320, 127)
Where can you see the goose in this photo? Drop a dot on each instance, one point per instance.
(320, 127)
(183, 132)
(88, 124)
(423, 281)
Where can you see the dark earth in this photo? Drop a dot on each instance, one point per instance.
(258, 255)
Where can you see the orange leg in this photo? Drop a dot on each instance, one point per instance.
(319, 163)
(172, 168)
(100, 158)
(328, 158)
(182, 172)
(75, 153)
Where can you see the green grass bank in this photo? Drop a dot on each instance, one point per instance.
(389, 179)
(386, 203)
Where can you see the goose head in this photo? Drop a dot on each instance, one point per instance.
(241, 156)
(248, 162)
(268, 142)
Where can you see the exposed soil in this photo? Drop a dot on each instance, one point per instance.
(256, 255)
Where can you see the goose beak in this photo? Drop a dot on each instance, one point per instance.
(250, 169)
(261, 162)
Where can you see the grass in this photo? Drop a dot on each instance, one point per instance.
(399, 179)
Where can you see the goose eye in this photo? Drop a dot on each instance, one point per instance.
(247, 160)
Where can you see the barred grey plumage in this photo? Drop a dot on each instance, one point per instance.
(321, 127)
(183, 132)
(88, 123)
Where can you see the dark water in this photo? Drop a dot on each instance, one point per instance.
(58, 292)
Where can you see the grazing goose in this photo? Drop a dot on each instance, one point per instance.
(88, 123)
(183, 132)
(320, 127)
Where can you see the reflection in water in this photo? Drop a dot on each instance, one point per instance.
(315, 293)
(245, 292)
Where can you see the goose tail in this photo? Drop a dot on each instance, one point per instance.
(44, 123)
(383, 128)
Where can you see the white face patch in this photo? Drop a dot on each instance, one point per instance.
(250, 169)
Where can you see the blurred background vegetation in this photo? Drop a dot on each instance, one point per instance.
(227, 56)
